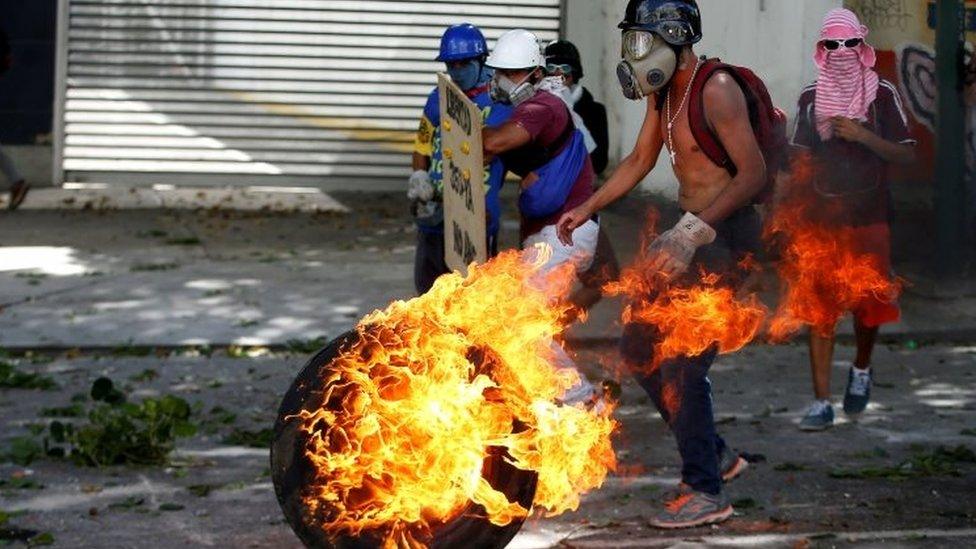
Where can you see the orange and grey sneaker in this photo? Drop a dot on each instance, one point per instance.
(731, 464)
(17, 194)
(693, 509)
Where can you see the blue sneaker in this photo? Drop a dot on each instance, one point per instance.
(819, 416)
(858, 392)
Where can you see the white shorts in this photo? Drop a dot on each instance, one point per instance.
(580, 254)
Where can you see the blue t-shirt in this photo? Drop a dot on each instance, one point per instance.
(429, 144)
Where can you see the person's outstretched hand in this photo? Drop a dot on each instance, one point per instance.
(570, 221)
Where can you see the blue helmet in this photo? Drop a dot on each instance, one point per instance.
(461, 42)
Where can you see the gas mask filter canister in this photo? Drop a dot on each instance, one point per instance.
(506, 91)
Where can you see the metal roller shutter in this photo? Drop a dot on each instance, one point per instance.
(325, 92)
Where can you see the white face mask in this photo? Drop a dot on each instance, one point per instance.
(553, 84)
(506, 91)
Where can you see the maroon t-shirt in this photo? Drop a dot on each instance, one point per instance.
(545, 118)
(852, 181)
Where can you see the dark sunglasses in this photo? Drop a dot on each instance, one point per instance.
(836, 44)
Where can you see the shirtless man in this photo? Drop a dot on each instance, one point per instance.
(719, 228)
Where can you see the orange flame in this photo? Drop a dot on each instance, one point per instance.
(824, 273)
(689, 319)
(432, 384)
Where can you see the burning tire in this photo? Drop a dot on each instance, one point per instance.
(292, 471)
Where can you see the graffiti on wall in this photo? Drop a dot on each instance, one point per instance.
(917, 81)
(885, 15)
(903, 33)
(919, 86)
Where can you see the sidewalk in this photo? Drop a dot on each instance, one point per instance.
(95, 269)
(104, 277)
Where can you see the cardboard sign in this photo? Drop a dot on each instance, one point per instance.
(465, 231)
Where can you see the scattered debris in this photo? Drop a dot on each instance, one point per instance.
(119, 432)
(12, 378)
(33, 279)
(744, 503)
(241, 351)
(789, 466)
(201, 490)
(20, 481)
(10, 534)
(253, 439)
(753, 458)
(103, 390)
(152, 233)
(185, 241)
(22, 451)
(246, 323)
(306, 346)
(218, 417)
(44, 538)
(942, 461)
(129, 349)
(144, 376)
(151, 267)
(72, 410)
(876, 452)
(130, 502)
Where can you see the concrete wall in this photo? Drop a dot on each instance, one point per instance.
(773, 37)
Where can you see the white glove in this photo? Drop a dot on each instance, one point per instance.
(420, 188)
(672, 252)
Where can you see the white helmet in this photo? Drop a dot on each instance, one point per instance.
(516, 49)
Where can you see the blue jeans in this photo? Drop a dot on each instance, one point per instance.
(680, 388)
(690, 415)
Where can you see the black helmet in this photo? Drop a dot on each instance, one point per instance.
(678, 22)
(563, 52)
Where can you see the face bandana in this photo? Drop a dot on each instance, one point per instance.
(847, 85)
(648, 64)
(466, 76)
(555, 85)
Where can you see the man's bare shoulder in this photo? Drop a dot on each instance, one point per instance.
(723, 97)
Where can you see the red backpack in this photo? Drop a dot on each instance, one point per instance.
(768, 122)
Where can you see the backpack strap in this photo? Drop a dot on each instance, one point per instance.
(710, 143)
(533, 156)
